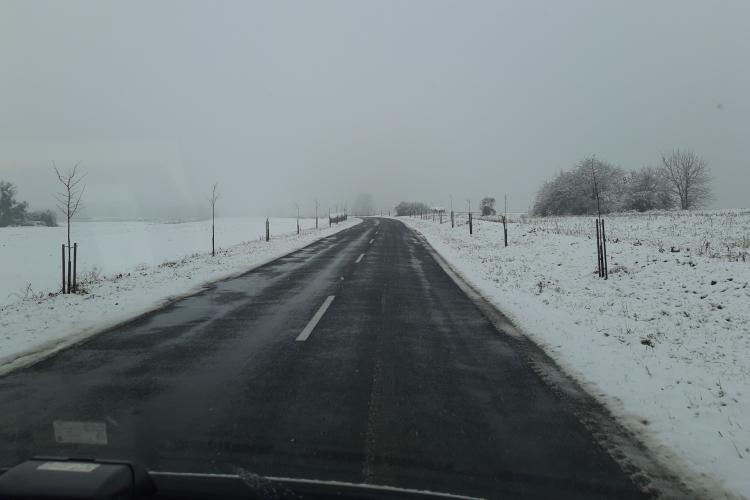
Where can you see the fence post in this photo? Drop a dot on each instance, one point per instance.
(505, 230)
(453, 224)
(63, 269)
(69, 271)
(75, 260)
(268, 234)
(471, 227)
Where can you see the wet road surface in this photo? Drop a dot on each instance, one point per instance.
(402, 381)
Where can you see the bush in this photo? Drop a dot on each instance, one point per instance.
(43, 218)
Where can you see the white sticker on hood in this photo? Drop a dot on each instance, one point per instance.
(68, 466)
(80, 432)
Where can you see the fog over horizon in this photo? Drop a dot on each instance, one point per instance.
(285, 102)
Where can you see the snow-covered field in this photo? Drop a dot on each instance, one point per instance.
(32, 255)
(664, 342)
(128, 268)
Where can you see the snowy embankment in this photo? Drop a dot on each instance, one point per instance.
(664, 342)
(127, 269)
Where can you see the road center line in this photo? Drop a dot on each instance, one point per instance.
(314, 321)
(360, 258)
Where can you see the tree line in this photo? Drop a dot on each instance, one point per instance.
(486, 207)
(411, 208)
(682, 180)
(16, 213)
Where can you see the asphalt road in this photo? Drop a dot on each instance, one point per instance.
(403, 381)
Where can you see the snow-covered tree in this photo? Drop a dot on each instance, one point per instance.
(575, 192)
(487, 206)
(12, 211)
(648, 190)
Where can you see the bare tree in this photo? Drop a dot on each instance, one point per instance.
(69, 201)
(689, 177)
(596, 187)
(212, 201)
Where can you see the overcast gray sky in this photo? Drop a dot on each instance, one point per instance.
(282, 102)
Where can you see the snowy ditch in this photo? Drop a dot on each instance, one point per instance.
(128, 269)
(664, 343)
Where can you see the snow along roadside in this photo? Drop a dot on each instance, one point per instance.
(37, 327)
(682, 393)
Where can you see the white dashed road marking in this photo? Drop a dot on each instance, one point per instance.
(372, 240)
(360, 258)
(314, 321)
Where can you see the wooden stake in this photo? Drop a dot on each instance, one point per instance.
(598, 250)
(63, 268)
(604, 253)
(75, 260)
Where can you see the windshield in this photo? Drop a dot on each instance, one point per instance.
(487, 249)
